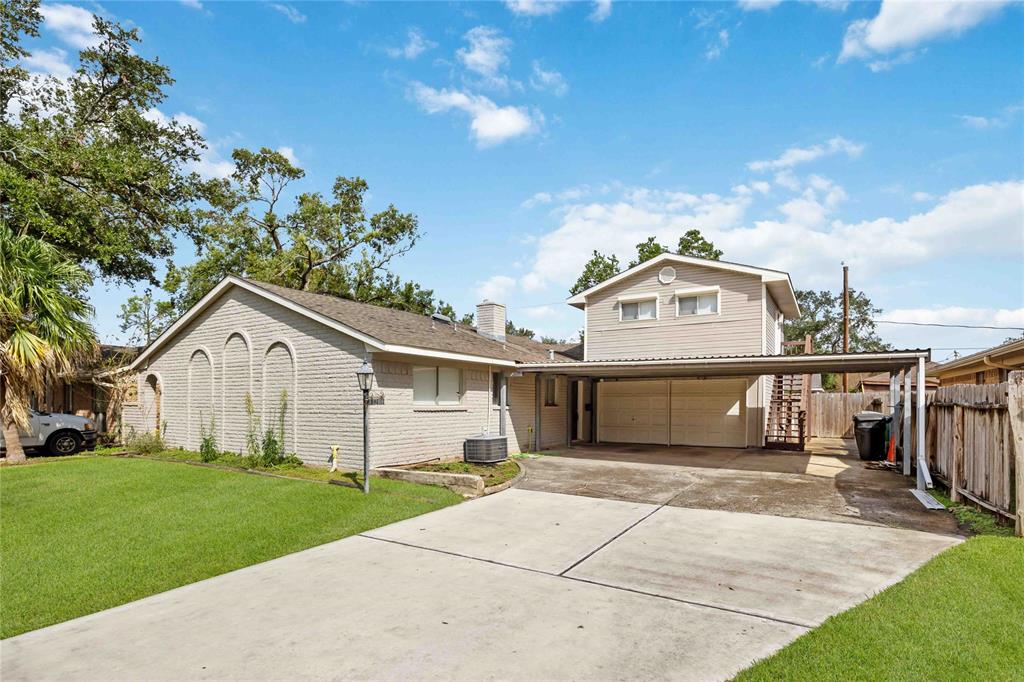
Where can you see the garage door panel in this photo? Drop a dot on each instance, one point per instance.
(633, 411)
(709, 413)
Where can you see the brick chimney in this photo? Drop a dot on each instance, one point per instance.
(490, 320)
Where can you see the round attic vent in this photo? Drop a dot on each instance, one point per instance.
(667, 275)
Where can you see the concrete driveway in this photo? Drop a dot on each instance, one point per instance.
(520, 585)
(827, 482)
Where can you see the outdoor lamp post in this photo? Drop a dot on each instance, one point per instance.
(365, 376)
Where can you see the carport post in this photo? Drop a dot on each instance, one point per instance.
(503, 402)
(538, 387)
(922, 466)
(905, 415)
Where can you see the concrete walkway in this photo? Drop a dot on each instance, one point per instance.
(518, 585)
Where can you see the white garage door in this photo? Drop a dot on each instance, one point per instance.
(709, 412)
(632, 411)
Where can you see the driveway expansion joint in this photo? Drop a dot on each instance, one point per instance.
(563, 576)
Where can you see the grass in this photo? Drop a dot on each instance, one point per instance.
(956, 618)
(974, 520)
(493, 474)
(82, 534)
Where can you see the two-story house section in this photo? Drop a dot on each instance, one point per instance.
(673, 307)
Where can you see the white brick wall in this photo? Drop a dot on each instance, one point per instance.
(253, 344)
(238, 330)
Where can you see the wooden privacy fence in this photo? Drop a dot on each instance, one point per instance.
(974, 438)
(969, 444)
(831, 414)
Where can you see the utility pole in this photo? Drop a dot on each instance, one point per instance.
(846, 321)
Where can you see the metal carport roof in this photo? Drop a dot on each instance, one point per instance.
(736, 365)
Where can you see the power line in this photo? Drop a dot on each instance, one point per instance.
(941, 324)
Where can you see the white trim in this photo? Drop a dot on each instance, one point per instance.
(697, 291)
(242, 334)
(445, 355)
(293, 398)
(638, 299)
(371, 343)
(159, 407)
(634, 298)
(783, 360)
(213, 389)
(765, 274)
(667, 280)
(764, 318)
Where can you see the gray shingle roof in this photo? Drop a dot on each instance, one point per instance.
(403, 328)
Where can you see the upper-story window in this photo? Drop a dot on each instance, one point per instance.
(638, 308)
(702, 301)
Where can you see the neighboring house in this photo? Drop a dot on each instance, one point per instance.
(677, 350)
(82, 393)
(987, 367)
(879, 383)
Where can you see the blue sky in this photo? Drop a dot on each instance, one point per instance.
(524, 135)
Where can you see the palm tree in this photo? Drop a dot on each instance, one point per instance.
(44, 328)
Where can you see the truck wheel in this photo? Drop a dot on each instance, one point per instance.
(64, 443)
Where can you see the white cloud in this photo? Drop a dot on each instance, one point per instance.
(192, 4)
(797, 155)
(999, 121)
(290, 12)
(551, 81)
(921, 196)
(72, 24)
(537, 199)
(210, 164)
(289, 153)
(761, 186)
(534, 8)
(49, 62)
(415, 45)
(904, 25)
(490, 124)
(716, 48)
(486, 55)
(882, 65)
(978, 219)
(497, 288)
(602, 10)
(758, 5)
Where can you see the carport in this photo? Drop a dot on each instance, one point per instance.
(711, 400)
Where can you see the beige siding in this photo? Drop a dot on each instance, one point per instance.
(247, 337)
(738, 329)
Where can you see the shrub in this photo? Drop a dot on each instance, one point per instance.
(266, 446)
(208, 442)
(145, 443)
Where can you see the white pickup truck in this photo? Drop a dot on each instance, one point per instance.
(57, 434)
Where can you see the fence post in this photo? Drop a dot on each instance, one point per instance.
(1015, 404)
(956, 456)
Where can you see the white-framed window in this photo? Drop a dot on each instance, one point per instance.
(550, 391)
(436, 385)
(645, 309)
(691, 302)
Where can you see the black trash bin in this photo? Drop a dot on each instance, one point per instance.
(869, 429)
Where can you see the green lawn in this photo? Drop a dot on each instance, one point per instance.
(959, 617)
(83, 534)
